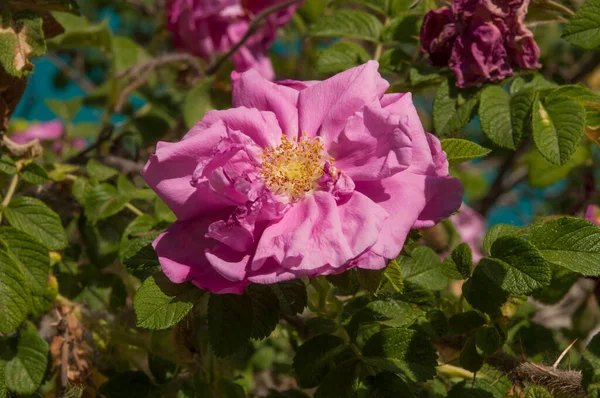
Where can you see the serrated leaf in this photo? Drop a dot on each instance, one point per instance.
(424, 268)
(317, 357)
(7, 165)
(487, 340)
(139, 256)
(341, 56)
(98, 171)
(383, 312)
(369, 280)
(558, 127)
(572, 243)
(452, 108)
(482, 293)
(15, 297)
(230, 320)
(291, 295)
(403, 351)
(33, 259)
(469, 358)
(537, 392)
(459, 151)
(494, 111)
(265, 308)
(521, 104)
(393, 274)
(21, 37)
(463, 259)
(79, 189)
(583, 28)
(103, 201)
(33, 173)
(586, 97)
(160, 304)
(389, 385)
(517, 266)
(348, 23)
(341, 382)
(32, 216)
(24, 372)
(498, 231)
(561, 283)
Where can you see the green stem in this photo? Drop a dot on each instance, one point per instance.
(560, 7)
(11, 191)
(134, 209)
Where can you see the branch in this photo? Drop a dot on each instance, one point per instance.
(165, 59)
(31, 149)
(256, 24)
(79, 78)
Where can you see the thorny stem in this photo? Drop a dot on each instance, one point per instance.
(254, 26)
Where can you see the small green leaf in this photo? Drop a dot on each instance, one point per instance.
(517, 266)
(21, 37)
(469, 358)
(488, 340)
(103, 201)
(265, 307)
(537, 392)
(15, 297)
(162, 211)
(65, 109)
(482, 293)
(79, 33)
(348, 23)
(403, 351)
(98, 171)
(586, 97)
(161, 304)
(494, 111)
(452, 108)
(230, 320)
(3, 390)
(459, 264)
(572, 243)
(389, 385)
(7, 165)
(292, 296)
(80, 187)
(384, 312)
(459, 151)
(583, 29)
(561, 283)
(370, 280)
(317, 357)
(393, 274)
(558, 127)
(198, 101)
(33, 173)
(341, 56)
(521, 104)
(32, 216)
(498, 231)
(424, 268)
(341, 382)
(24, 372)
(139, 256)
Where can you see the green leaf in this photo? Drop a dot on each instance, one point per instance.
(317, 357)
(33, 173)
(494, 111)
(459, 264)
(139, 257)
(542, 173)
(488, 340)
(452, 108)
(33, 259)
(3, 390)
(482, 293)
(572, 243)
(537, 392)
(498, 231)
(591, 362)
(469, 358)
(384, 312)
(79, 189)
(521, 104)
(65, 109)
(161, 304)
(21, 37)
(341, 56)
(586, 97)
(15, 297)
(24, 372)
(583, 29)
(198, 101)
(32, 216)
(465, 322)
(403, 351)
(402, 29)
(230, 320)
(517, 266)
(79, 33)
(98, 171)
(348, 23)
(424, 268)
(103, 201)
(341, 382)
(265, 308)
(459, 151)
(393, 274)
(561, 283)
(162, 211)
(292, 296)
(389, 385)
(127, 53)
(47, 5)
(558, 126)
(7, 165)
(369, 280)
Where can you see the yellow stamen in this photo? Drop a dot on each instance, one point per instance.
(294, 167)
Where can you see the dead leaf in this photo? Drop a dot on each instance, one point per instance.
(593, 133)
(22, 47)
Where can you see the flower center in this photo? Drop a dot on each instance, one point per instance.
(294, 167)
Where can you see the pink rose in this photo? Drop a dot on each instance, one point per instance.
(301, 179)
(46, 131)
(470, 225)
(208, 27)
(591, 214)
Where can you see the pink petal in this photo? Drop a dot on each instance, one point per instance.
(325, 107)
(181, 253)
(297, 84)
(317, 231)
(369, 260)
(251, 90)
(169, 173)
(444, 195)
(470, 225)
(46, 131)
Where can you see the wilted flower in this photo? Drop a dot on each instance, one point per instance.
(208, 27)
(299, 179)
(480, 40)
